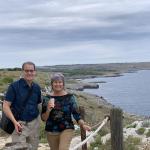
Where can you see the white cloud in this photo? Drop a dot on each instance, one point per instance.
(50, 13)
(64, 29)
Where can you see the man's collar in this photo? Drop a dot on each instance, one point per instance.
(25, 84)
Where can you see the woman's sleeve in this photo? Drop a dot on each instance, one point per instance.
(75, 109)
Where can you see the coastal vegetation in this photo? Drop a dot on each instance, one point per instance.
(92, 70)
(95, 107)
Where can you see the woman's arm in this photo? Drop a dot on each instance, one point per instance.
(46, 111)
(44, 116)
(76, 115)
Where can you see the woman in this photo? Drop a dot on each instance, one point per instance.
(57, 111)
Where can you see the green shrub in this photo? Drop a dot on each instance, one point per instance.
(42, 133)
(7, 80)
(133, 140)
(132, 126)
(140, 131)
(130, 147)
(131, 143)
(14, 69)
(103, 132)
(148, 133)
(99, 145)
(97, 142)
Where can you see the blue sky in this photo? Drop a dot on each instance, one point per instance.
(51, 32)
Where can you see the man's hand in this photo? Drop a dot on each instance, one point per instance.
(18, 127)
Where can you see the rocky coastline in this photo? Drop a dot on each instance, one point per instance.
(80, 86)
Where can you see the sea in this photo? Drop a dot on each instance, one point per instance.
(130, 92)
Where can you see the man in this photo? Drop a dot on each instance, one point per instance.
(27, 127)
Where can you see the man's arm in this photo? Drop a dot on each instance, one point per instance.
(8, 112)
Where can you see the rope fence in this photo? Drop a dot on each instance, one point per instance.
(98, 124)
(91, 135)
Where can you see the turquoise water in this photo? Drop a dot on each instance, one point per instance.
(131, 92)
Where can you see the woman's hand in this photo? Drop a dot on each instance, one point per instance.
(51, 104)
(86, 127)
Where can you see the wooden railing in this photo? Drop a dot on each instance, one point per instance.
(116, 127)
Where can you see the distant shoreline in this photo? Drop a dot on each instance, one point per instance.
(123, 92)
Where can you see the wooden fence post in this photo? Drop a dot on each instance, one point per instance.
(83, 133)
(116, 129)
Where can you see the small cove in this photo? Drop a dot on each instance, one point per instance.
(131, 91)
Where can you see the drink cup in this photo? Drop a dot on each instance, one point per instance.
(52, 102)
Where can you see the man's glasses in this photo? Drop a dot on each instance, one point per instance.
(31, 71)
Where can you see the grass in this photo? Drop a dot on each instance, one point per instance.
(148, 134)
(132, 143)
(42, 133)
(140, 131)
(132, 126)
(7, 77)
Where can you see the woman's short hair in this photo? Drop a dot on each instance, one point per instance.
(57, 76)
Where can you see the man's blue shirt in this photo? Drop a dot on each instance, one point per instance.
(16, 94)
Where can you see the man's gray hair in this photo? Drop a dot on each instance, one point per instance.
(28, 63)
